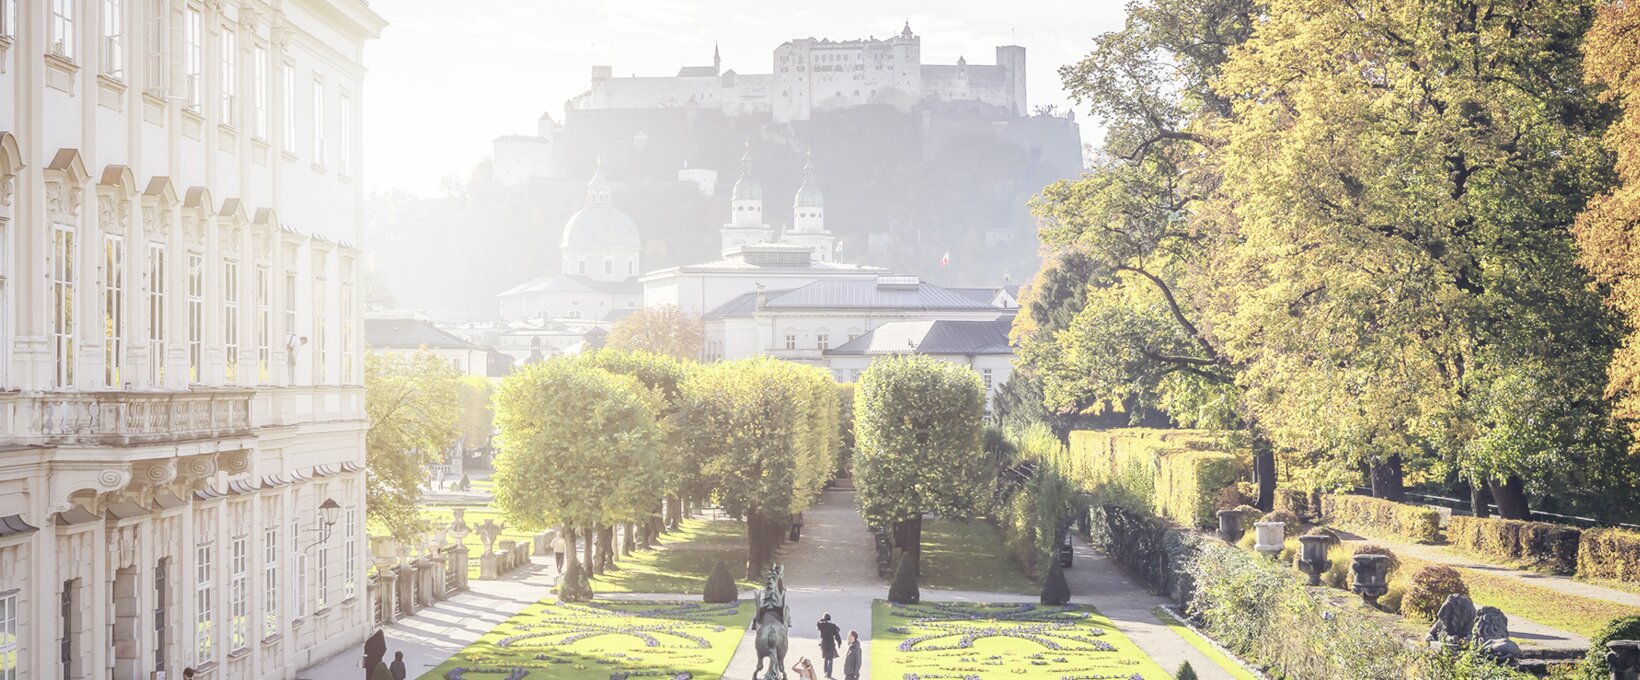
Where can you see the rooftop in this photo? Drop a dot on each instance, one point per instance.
(932, 337)
(411, 334)
(883, 292)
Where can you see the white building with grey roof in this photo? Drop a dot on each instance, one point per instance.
(980, 345)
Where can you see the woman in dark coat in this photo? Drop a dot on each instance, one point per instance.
(830, 637)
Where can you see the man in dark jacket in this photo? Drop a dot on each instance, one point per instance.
(397, 667)
(830, 638)
(851, 663)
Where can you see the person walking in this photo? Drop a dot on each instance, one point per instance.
(851, 663)
(558, 548)
(398, 666)
(830, 638)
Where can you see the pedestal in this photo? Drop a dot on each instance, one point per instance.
(489, 566)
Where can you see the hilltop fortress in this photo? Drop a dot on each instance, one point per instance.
(810, 75)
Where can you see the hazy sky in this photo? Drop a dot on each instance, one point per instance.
(447, 77)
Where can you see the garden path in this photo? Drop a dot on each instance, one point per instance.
(832, 569)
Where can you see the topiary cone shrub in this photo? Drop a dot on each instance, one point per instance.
(1054, 588)
(1185, 672)
(574, 586)
(904, 589)
(720, 586)
(1621, 628)
(1430, 587)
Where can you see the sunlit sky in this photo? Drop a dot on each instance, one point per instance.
(447, 77)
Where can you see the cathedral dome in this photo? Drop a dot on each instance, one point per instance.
(598, 227)
(747, 189)
(808, 195)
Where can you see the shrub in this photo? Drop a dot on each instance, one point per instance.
(904, 590)
(1230, 497)
(1376, 515)
(1289, 521)
(1371, 549)
(1610, 554)
(1594, 663)
(1429, 588)
(1553, 546)
(1337, 574)
(1055, 590)
(1289, 550)
(1296, 501)
(1185, 672)
(1145, 547)
(1176, 473)
(720, 586)
(1332, 536)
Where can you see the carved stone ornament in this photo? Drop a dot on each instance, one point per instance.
(62, 202)
(7, 188)
(67, 484)
(155, 472)
(234, 462)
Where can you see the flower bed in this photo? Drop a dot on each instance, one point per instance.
(593, 640)
(1027, 641)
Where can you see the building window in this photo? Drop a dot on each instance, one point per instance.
(196, 315)
(204, 590)
(62, 303)
(298, 569)
(823, 341)
(113, 311)
(156, 21)
(347, 333)
(238, 606)
(230, 319)
(8, 635)
(230, 75)
(609, 265)
(319, 374)
(162, 601)
(68, 644)
(113, 33)
(350, 543)
(259, 92)
(581, 266)
(344, 154)
(5, 276)
(193, 58)
(156, 313)
(270, 582)
(318, 122)
(791, 341)
(288, 109)
(985, 374)
(323, 577)
(61, 38)
(8, 23)
(264, 323)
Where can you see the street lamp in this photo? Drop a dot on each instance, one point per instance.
(328, 511)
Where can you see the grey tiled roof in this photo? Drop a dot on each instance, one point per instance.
(410, 334)
(853, 294)
(576, 283)
(932, 337)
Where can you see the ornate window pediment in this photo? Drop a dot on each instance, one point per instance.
(114, 192)
(197, 211)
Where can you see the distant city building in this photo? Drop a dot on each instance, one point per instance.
(599, 258)
(517, 159)
(809, 75)
(181, 364)
(980, 345)
(408, 336)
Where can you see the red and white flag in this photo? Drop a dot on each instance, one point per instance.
(946, 259)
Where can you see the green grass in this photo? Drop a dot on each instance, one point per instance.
(689, 637)
(682, 561)
(1088, 645)
(1213, 653)
(969, 556)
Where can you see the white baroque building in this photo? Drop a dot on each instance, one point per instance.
(181, 412)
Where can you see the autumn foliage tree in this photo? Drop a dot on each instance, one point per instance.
(410, 401)
(918, 426)
(665, 329)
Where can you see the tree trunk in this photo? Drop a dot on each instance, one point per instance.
(591, 538)
(1264, 471)
(755, 539)
(1510, 496)
(674, 512)
(573, 587)
(606, 549)
(1477, 499)
(908, 539)
(1387, 480)
(629, 536)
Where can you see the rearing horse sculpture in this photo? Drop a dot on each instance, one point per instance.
(771, 622)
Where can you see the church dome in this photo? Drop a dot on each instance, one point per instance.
(599, 227)
(808, 195)
(747, 189)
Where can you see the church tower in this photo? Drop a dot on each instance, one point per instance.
(745, 225)
(809, 219)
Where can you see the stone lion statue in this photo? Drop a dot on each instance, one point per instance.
(1454, 621)
(1492, 633)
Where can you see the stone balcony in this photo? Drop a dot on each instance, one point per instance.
(127, 418)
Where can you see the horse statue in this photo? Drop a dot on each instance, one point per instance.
(771, 622)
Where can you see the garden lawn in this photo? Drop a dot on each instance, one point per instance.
(1572, 613)
(969, 556)
(1023, 641)
(682, 561)
(592, 640)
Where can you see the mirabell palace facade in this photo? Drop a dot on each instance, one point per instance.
(181, 355)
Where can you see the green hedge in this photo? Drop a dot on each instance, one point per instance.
(1380, 517)
(1553, 546)
(1176, 473)
(1609, 554)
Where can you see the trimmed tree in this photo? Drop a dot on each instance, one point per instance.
(1054, 588)
(720, 586)
(904, 589)
(664, 375)
(917, 430)
(664, 330)
(577, 450)
(411, 403)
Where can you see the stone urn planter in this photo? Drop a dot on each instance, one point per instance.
(1230, 525)
(1312, 556)
(384, 548)
(1371, 577)
(1623, 657)
(1269, 537)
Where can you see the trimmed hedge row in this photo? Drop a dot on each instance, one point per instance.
(1609, 554)
(1176, 473)
(1376, 515)
(1552, 546)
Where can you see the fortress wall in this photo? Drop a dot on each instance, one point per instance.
(649, 93)
(991, 85)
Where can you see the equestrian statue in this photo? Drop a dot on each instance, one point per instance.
(771, 622)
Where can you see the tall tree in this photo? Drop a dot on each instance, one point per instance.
(577, 451)
(411, 404)
(664, 375)
(665, 329)
(475, 419)
(1398, 182)
(1609, 229)
(918, 428)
